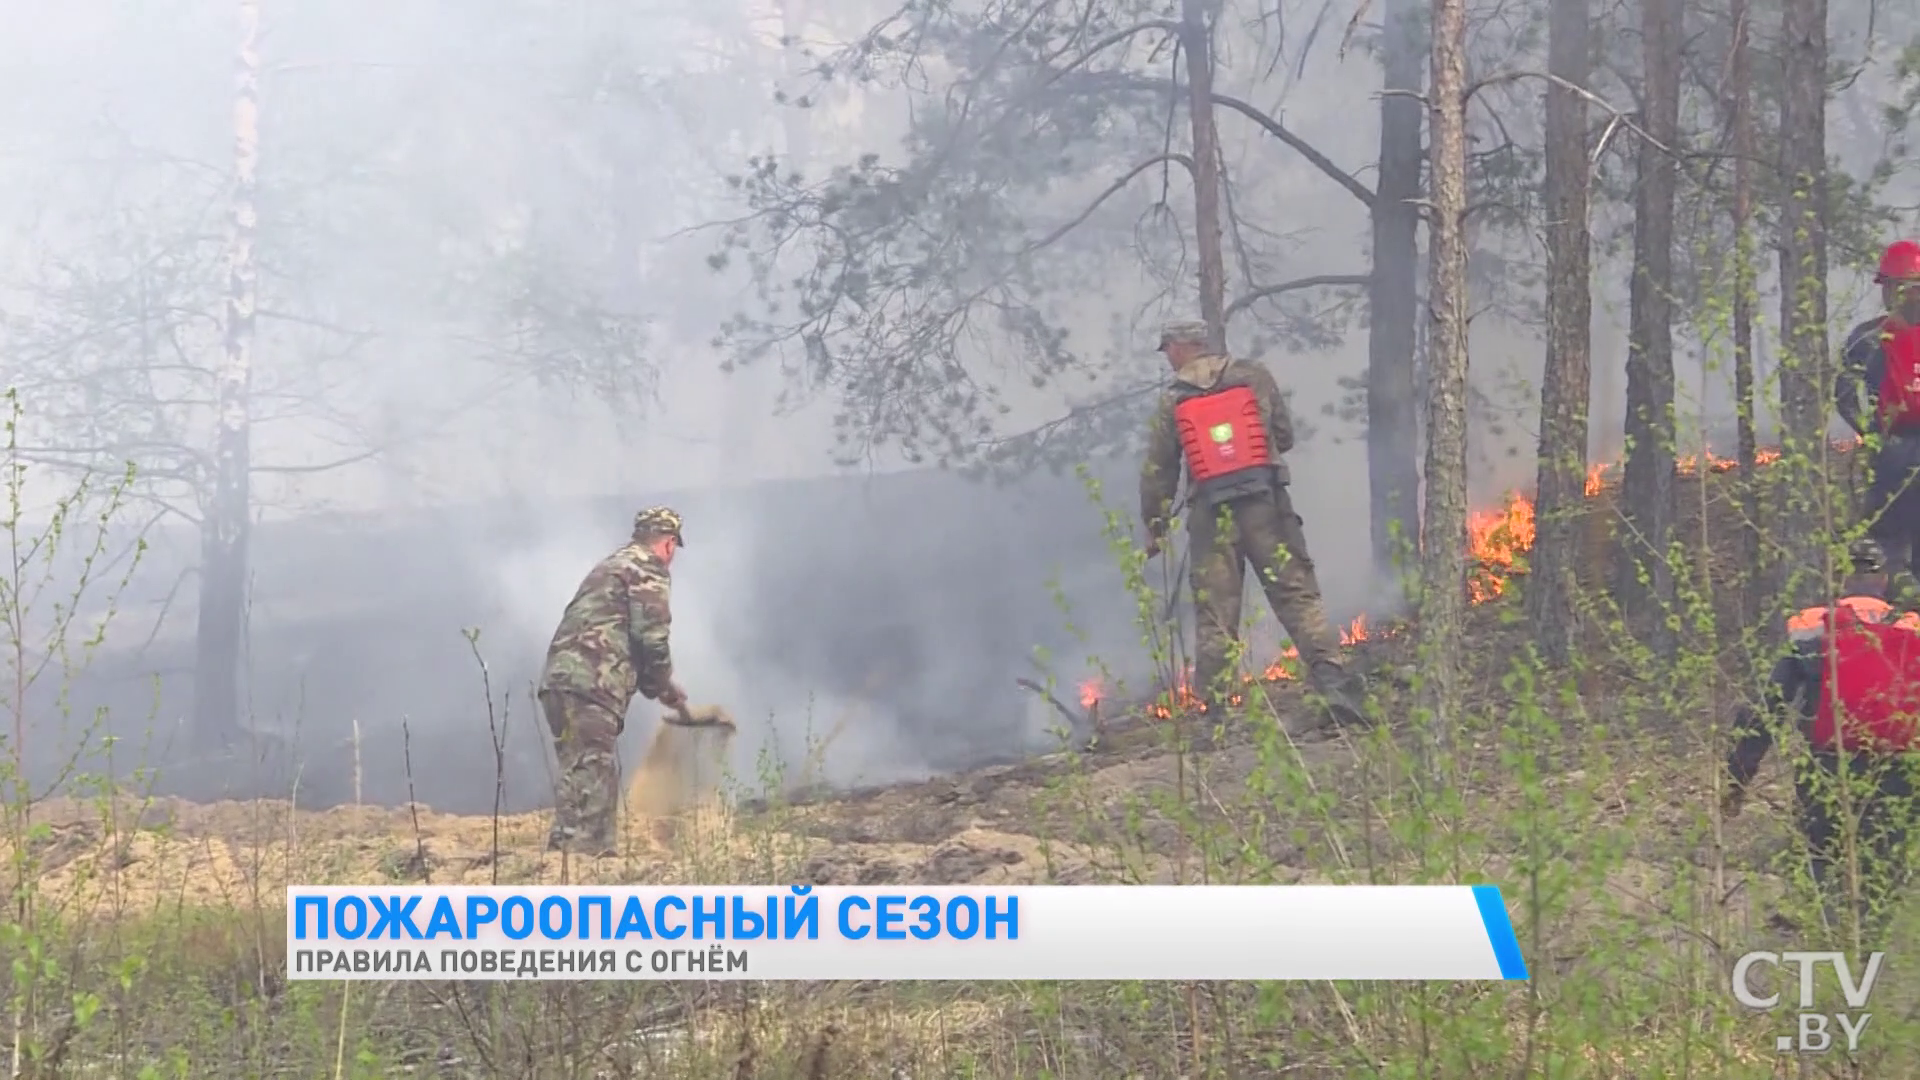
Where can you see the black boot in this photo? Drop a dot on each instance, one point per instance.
(1344, 693)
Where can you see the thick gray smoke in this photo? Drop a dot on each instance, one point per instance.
(863, 631)
(484, 342)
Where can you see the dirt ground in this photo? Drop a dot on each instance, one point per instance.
(999, 825)
(1106, 814)
(1072, 817)
(1067, 817)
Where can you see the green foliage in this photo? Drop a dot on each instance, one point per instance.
(1588, 793)
(927, 289)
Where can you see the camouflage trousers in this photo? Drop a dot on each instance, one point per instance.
(1264, 532)
(586, 738)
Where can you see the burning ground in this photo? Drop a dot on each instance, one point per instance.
(1498, 540)
(1651, 879)
(982, 826)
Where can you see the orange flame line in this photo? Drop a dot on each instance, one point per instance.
(1496, 540)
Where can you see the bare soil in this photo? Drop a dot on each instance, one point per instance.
(996, 825)
(1104, 814)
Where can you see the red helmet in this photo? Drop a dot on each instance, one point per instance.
(1900, 262)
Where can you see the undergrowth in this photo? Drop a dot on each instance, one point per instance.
(1590, 792)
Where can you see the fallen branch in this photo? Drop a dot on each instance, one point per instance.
(1028, 684)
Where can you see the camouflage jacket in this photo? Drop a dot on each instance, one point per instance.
(612, 641)
(1160, 475)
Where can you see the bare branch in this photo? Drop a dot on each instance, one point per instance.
(1300, 146)
(1346, 39)
(1164, 25)
(1297, 284)
(1259, 116)
(1589, 96)
(324, 466)
(1112, 189)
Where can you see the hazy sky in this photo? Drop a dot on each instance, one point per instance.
(425, 163)
(406, 144)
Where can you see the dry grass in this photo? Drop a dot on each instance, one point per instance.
(1594, 811)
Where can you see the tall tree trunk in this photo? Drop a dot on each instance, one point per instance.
(1393, 301)
(1443, 564)
(1568, 384)
(1740, 89)
(1646, 578)
(224, 531)
(1803, 287)
(1196, 40)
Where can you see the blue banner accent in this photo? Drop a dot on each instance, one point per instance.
(1506, 947)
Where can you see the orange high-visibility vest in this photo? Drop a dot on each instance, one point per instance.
(1811, 622)
(1869, 674)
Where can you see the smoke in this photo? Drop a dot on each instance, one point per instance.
(796, 727)
(793, 731)
(862, 629)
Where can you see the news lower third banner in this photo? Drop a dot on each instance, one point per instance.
(1124, 932)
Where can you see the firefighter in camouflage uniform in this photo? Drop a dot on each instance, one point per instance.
(611, 645)
(1224, 424)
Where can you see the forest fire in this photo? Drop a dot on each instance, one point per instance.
(1284, 669)
(1496, 542)
(1688, 465)
(1496, 539)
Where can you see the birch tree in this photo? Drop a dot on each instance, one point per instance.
(140, 336)
(223, 563)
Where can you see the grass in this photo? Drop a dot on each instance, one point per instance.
(146, 936)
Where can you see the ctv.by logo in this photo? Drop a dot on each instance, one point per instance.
(1813, 1033)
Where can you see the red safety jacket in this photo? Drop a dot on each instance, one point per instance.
(1900, 379)
(1224, 438)
(1869, 675)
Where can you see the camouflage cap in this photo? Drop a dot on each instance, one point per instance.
(659, 521)
(1867, 555)
(1184, 332)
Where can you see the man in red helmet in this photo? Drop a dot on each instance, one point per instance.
(1877, 390)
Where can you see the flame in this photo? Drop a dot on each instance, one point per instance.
(1496, 540)
(1183, 697)
(1597, 475)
